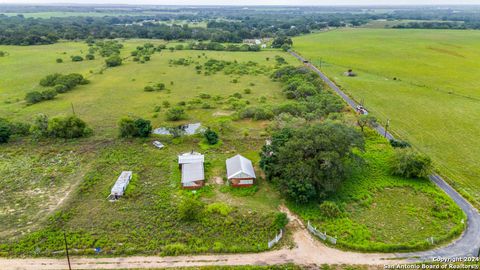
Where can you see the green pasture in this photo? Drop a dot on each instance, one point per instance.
(51, 185)
(424, 81)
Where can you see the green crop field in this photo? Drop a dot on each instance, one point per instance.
(51, 185)
(424, 81)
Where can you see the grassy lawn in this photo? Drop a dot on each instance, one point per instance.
(423, 80)
(383, 212)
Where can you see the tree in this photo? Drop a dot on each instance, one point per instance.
(211, 136)
(309, 162)
(366, 120)
(113, 61)
(48, 94)
(5, 131)
(175, 114)
(408, 163)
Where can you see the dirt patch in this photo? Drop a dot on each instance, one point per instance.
(218, 180)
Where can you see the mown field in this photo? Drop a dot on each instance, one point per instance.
(55, 185)
(424, 81)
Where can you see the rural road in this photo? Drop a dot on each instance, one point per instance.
(469, 243)
(307, 251)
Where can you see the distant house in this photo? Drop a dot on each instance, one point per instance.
(120, 186)
(191, 165)
(240, 172)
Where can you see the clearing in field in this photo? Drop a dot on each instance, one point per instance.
(424, 81)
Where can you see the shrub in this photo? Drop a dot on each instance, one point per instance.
(113, 61)
(247, 91)
(281, 220)
(19, 128)
(399, 143)
(190, 209)
(175, 114)
(49, 94)
(256, 113)
(330, 209)
(90, 57)
(5, 131)
(148, 88)
(408, 163)
(39, 127)
(211, 136)
(76, 58)
(129, 127)
(60, 88)
(160, 86)
(33, 97)
(204, 96)
(166, 104)
(67, 127)
(59, 60)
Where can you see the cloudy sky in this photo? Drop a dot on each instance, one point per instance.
(253, 2)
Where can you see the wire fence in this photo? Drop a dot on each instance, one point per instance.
(321, 235)
(277, 238)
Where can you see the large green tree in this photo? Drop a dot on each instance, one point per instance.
(309, 162)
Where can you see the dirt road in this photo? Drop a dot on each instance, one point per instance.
(307, 250)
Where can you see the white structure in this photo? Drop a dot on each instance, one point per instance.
(240, 171)
(120, 185)
(158, 144)
(191, 165)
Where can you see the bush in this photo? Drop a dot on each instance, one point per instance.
(68, 127)
(129, 127)
(59, 60)
(90, 57)
(49, 94)
(113, 61)
(256, 113)
(211, 136)
(160, 86)
(247, 91)
(76, 58)
(19, 128)
(60, 88)
(330, 209)
(33, 97)
(399, 144)
(175, 114)
(281, 220)
(148, 88)
(408, 163)
(190, 209)
(5, 131)
(166, 104)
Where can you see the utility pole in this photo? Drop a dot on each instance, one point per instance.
(66, 249)
(73, 109)
(386, 127)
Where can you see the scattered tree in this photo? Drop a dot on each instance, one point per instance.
(113, 61)
(211, 136)
(408, 163)
(366, 120)
(175, 114)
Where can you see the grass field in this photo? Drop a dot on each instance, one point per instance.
(53, 185)
(383, 212)
(424, 81)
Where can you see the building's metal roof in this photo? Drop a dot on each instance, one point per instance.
(122, 182)
(239, 167)
(192, 172)
(191, 157)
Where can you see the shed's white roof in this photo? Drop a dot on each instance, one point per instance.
(121, 183)
(192, 172)
(190, 157)
(239, 165)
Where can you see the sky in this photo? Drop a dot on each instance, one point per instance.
(252, 2)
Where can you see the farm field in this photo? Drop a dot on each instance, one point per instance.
(422, 80)
(52, 185)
